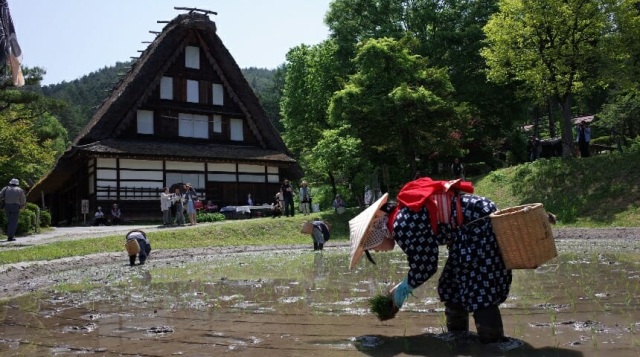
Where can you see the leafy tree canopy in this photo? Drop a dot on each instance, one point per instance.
(30, 137)
(398, 106)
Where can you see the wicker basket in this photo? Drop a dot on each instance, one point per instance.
(132, 247)
(307, 228)
(524, 236)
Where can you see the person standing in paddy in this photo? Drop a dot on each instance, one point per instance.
(429, 214)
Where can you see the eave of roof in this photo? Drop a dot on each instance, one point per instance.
(183, 151)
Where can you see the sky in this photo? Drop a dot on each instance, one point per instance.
(72, 38)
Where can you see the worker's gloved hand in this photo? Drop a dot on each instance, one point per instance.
(400, 293)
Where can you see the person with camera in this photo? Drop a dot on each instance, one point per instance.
(191, 196)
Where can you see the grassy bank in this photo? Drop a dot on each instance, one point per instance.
(599, 191)
(259, 231)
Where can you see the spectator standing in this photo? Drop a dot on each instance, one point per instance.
(583, 138)
(13, 199)
(338, 204)
(305, 198)
(457, 169)
(535, 148)
(191, 197)
(165, 206)
(368, 196)
(116, 215)
(287, 195)
(249, 200)
(178, 204)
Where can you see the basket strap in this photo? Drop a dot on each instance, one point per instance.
(475, 220)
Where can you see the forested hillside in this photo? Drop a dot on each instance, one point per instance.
(84, 95)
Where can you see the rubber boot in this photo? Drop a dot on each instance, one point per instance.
(320, 246)
(489, 325)
(315, 246)
(457, 317)
(132, 260)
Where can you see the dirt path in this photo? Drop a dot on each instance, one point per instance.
(21, 278)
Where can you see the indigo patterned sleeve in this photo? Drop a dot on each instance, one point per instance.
(412, 232)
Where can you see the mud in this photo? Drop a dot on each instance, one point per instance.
(290, 301)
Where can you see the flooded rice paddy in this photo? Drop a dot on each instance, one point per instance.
(302, 303)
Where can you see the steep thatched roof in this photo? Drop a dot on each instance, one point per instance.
(100, 137)
(119, 109)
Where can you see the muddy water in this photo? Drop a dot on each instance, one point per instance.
(584, 303)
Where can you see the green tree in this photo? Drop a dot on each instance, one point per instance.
(311, 79)
(22, 154)
(397, 106)
(450, 35)
(309, 84)
(555, 48)
(623, 114)
(30, 138)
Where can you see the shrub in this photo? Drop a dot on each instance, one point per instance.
(26, 222)
(32, 207)
(45, 218)
(209, 217)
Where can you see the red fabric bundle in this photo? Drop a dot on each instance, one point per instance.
(422, 192)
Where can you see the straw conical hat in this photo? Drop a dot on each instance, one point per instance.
(359, 228)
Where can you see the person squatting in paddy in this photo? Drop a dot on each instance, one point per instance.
(320, 232)
(474, 279)
(143, 249)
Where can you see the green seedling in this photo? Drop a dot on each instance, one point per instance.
(383, 307)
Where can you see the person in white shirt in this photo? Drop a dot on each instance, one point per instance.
(99, 217)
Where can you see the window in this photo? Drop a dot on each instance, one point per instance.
(217, 124)
(193, 126)
(145, 121)
(236, 129)
(166, 88)
(218, 94)
(193, 95)
(196, 180)
(192, 57)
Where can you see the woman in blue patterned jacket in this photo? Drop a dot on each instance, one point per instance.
(430, 214)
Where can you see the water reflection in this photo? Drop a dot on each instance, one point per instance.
(305, 302)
